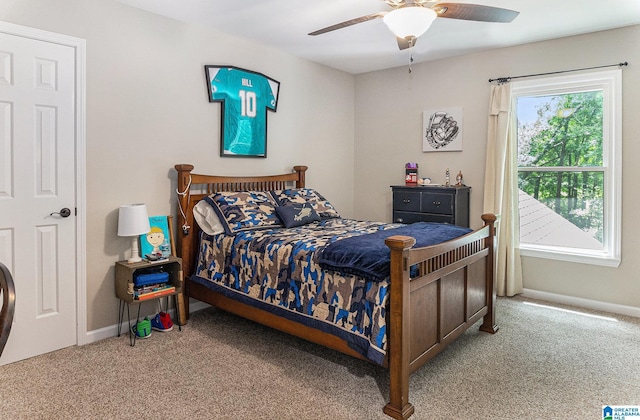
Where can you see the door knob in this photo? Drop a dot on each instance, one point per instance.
(64, 212)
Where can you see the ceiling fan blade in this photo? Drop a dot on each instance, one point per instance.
(348, 23)
(404, 43)
(476, 12)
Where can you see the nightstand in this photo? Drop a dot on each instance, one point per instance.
(124, 275)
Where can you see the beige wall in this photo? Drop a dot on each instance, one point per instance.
(147, 110)
(389, 108)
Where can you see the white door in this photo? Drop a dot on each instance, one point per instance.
(37, 178)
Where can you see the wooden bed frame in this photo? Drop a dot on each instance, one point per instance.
(454, 288)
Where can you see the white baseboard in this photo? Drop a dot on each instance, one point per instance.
(582, 303)
(112, 331)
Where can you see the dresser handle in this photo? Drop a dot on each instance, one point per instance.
(406, 201)
(436, 203)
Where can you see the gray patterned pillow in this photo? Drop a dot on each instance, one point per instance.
(321, 205)
(245, 210)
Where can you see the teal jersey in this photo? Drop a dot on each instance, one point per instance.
(246, 96)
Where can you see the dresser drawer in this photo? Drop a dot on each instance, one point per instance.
(406, 200)
(437, 203)
(409, 217)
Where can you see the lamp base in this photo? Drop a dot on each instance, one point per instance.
(135, 251)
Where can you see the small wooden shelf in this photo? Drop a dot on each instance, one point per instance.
(124, 275)
(125, 271)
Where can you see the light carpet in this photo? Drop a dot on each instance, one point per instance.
(543, 363)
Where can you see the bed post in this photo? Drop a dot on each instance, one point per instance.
(489, 321)
(300, 170)
(184, 246)
(398, 327)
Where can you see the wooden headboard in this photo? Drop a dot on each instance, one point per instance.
(194, 187)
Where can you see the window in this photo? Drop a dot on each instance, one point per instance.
(569, 175)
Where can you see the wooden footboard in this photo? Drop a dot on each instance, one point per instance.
(451, 289)
(452, 285)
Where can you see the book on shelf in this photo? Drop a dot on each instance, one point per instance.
(154, 293)
(150, 287)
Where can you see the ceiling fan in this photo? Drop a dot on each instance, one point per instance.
(411, 18)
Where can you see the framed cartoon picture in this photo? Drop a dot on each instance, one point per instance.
(159, 242)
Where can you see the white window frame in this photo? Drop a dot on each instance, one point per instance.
(610, 82)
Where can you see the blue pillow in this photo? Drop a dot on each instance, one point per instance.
(297, 215)
(244, 210)
(298, 196)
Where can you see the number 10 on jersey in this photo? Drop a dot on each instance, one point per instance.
(248, 103)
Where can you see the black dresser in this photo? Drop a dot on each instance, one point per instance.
(431, 204)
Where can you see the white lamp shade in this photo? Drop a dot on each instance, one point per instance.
(133, 220)
(408, 22)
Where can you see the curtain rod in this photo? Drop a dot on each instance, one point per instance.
(509, 78)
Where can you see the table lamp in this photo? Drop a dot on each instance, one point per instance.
(133, 221)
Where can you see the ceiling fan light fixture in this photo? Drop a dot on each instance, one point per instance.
(409, 21)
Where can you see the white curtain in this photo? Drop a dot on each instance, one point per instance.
(501, 189)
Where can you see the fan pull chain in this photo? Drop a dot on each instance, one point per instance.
(410, 63)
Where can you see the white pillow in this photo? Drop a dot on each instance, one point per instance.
(207, 218)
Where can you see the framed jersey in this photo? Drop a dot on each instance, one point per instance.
(245, 98)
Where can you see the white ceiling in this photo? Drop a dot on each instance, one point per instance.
(369, 46)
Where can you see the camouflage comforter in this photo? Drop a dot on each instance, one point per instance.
(277, 270)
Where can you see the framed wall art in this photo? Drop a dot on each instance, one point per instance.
(245, 98)
(159, 241)
(442, 130)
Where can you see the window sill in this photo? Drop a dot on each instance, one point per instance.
(570, 255)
